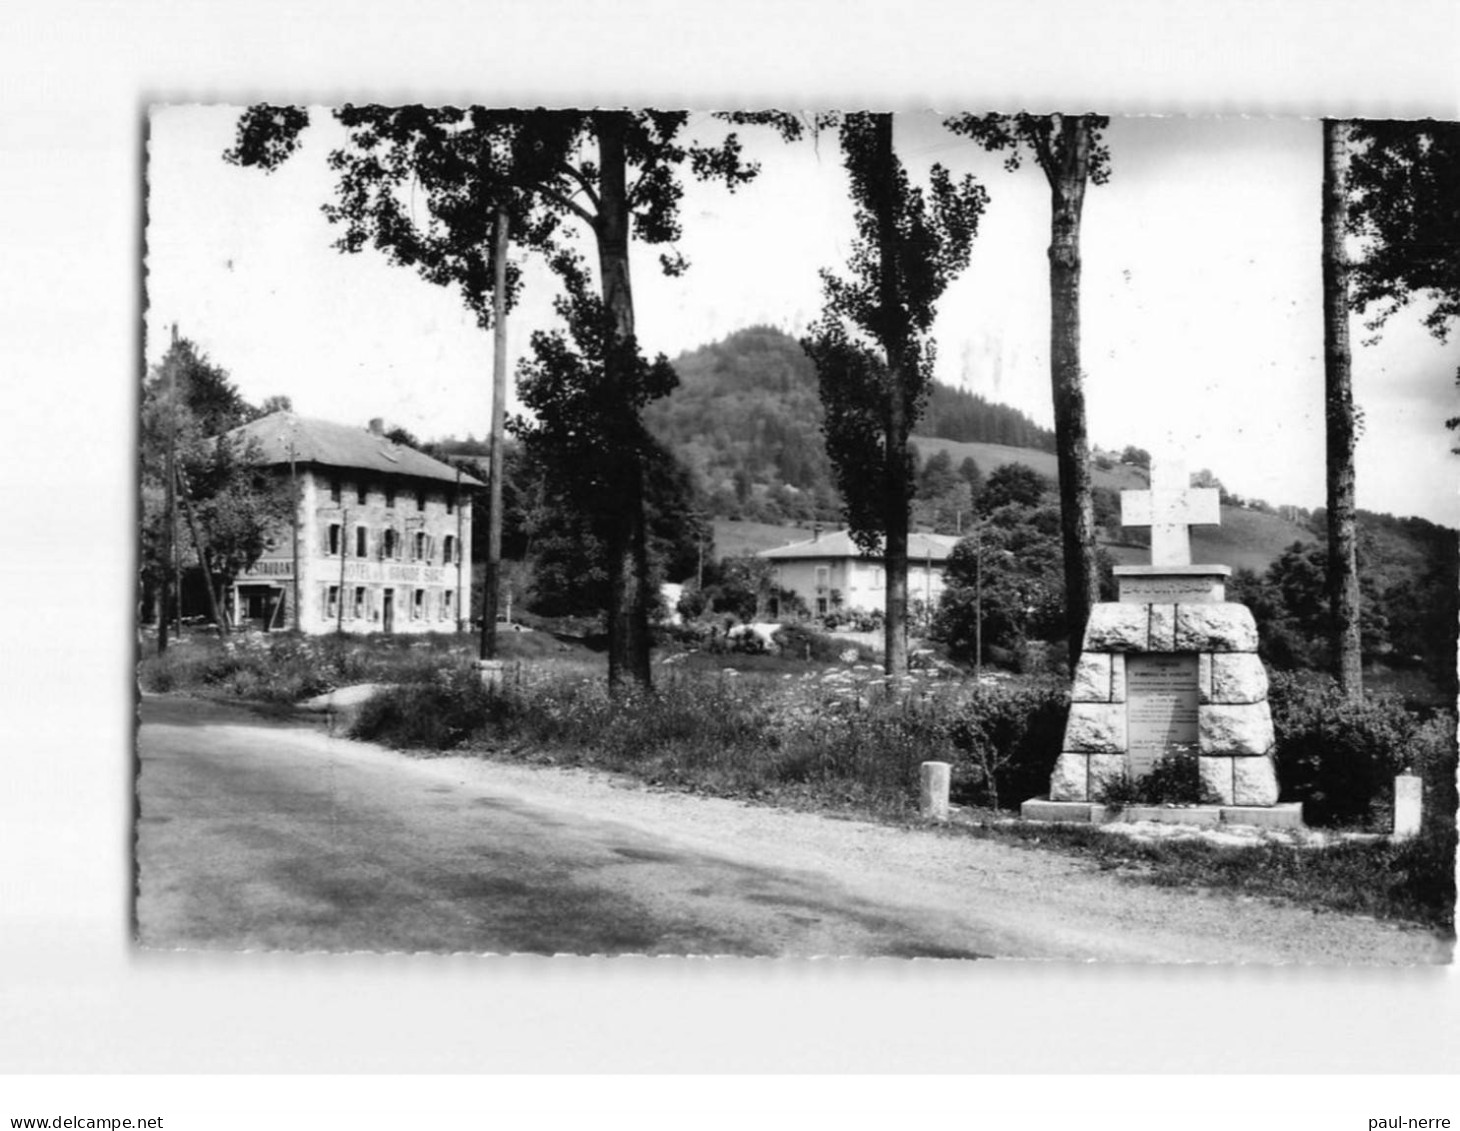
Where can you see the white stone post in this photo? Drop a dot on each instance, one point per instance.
(1408, 805)
(490, 672)
(933, 801)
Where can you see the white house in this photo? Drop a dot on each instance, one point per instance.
(380, 540)
(829, 570)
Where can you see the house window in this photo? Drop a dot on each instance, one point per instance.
(359, 613)
(821, 607)
(823, 578)
(448, 547)
(334, 538)
(446, 604)
(418, 604)
(420, 500)
(362, 539)
(362, 492)
(390, 496)
(332, 602)
(334, 490)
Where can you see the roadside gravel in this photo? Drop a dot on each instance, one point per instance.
(1040, 903)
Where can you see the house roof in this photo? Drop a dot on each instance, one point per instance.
(839, 544)
(342, 445)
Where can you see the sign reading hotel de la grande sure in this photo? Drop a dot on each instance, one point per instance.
(417, 574)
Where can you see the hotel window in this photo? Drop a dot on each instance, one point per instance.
(362, 492)
(359, 613)
(446, 604)
(390, 496)
(448, 547)
(420, 500)
(388, 545)
(418, 547)
(332, 540)
(418, 604)
(332, 602)
(450, 503)
(334, 490)
(362, 542)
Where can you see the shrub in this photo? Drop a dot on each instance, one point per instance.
(1174, 780)
(1007, 738)
(806, 643)
(1339, 758)
(437, 715)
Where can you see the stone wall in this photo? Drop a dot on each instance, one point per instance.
(1234, 723)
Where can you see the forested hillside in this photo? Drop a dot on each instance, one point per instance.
(746, 420)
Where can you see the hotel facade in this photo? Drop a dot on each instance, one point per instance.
(380, 540)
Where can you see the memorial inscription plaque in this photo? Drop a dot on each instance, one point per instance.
(1161, 702)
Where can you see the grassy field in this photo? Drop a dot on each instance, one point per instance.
(990, 456)
(735, 539)
(1245, 539)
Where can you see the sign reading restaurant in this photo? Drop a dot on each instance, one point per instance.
(357, 571)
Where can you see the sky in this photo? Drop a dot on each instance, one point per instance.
(1201, 302)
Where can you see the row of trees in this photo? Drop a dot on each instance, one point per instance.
(616, 176)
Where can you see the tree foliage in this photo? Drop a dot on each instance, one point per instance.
(234, 503)
(612, 173)
(1404, 204)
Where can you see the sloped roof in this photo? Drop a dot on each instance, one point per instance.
(342, 445)
(839, 544)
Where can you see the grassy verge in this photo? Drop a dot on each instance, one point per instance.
(1412, 880)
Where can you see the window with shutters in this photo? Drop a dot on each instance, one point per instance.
(390, 496)
(420, 500)
(418, 604)
(448, 548)
(450, 503)
(359, 613)
(362, 539)
(332, 538)
(388, 545)
(418, 547)
(332, 602)
(362, 492)
(446, 604)
(334, 490)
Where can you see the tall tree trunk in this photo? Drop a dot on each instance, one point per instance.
(1343, 572)
(493, 580)
(1077, 523)
(627, 535)
(895, 516)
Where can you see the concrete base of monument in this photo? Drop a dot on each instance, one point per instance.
(1287, 816)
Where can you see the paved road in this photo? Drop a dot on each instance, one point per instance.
(254, 834)
(272, 835)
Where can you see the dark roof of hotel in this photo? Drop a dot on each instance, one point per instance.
(342, 445)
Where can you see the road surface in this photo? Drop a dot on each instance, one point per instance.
(261, 834)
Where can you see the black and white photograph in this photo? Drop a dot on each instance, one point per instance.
(678, 564)
(813, 534)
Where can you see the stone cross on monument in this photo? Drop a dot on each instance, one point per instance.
(1170, 508)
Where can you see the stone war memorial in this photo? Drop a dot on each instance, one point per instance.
(1169, 668)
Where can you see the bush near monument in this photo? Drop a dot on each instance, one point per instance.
(1340, 759)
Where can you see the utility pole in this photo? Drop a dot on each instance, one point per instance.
(294, 487)
(459, 555)
(499, 417)
(977, 600)
(344, 543)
